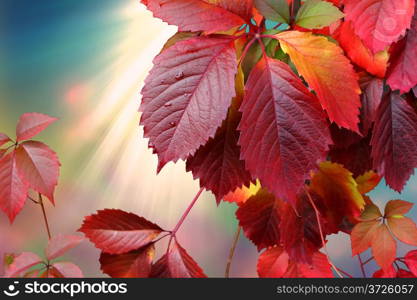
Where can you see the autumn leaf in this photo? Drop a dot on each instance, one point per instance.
(402, 73)
(388, 273)
(31, 124)
(22, 263)
(66, 270)
(362, 235)
(272, 263)
(283, 130)
(39, 166)
(133, 264)
(338, 191)
(60, 244)
(397, 208)
(316, 14)
(403, 228)
(384, 247)
(115, 231)
(327, 71)
(241, 8)
(13, 189)
(394, 141)
(241, 195)
(177, 264)
(411, 261)
(186, 96)
(375, 64)
(259, 217)
(194, 15)
(367, 182)
(379, 23)
(320, 267)
(371, 99)
(4, 139)
(274, 10)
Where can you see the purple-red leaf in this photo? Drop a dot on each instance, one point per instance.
(177, 264)
(31, 124)
(273, 263)
(187, 94)
(371, 99)
(283, 129)
(394, 141)
(39, 165)
(60, 244)
(115, 231)
(13, 189)
(402, 73)
(195, 15)
(411, 261)
(259, 217)
(134, 264)
(21, 263)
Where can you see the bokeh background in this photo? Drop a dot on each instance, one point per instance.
(85, 62)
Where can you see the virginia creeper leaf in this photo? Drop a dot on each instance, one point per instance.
(371, 213)
(367, 182)
(362, 235)
(384, 247)
(371, 99)
(320, 267)
(21, 263)
(194, 15)
(241, 195)
(327, 71)
(394, 141)
(401, 273)
(13, 189)
(316, 14)
(177, 264)
(115, 231)
(283, 130)
(187, 94)
(4, 139)
(375, 64)
(402, 73)
(31, 124)
(39, 165)
(388, 273)
(67, 270)
(259, 217)
(411, 261)
(134, 264)
(241, 8)
(397, 207)
(273, 263)
(60, 244)
(379, 23)
(404, 229)
(274, 10)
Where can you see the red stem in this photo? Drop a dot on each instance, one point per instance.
(187, 211)
(44, 216)
(362, 266)
(368, 260)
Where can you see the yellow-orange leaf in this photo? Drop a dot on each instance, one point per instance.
(367, 182)
(328, 72)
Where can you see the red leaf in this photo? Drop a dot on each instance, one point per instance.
(403, 229)
(394, 141)
(401, 273)
(4, 139)
(134, 264)
(389, 273)
(411, 261)
(31, 124)
(273, 263)
(177, 264)
(242, 8)
(379, 23)
(283, 129)
(115, 231)
(13, 190)
(328, 72)
(402, 73)
(187, 95)
(60, 244)
(397, 207)
(67, 270)
(362, 235)
(371, 99)
(259, 218)
(375, 64)
(218, 163)
(194, 15)
(39, 165)
(21, 263)
(384, 247)
(320, 267)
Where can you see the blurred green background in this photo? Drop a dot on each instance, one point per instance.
(84, 62)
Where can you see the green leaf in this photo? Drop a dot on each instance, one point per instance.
(316, 14)
(274, 10)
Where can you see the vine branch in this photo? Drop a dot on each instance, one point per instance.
(232, 251)
(45, 218)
